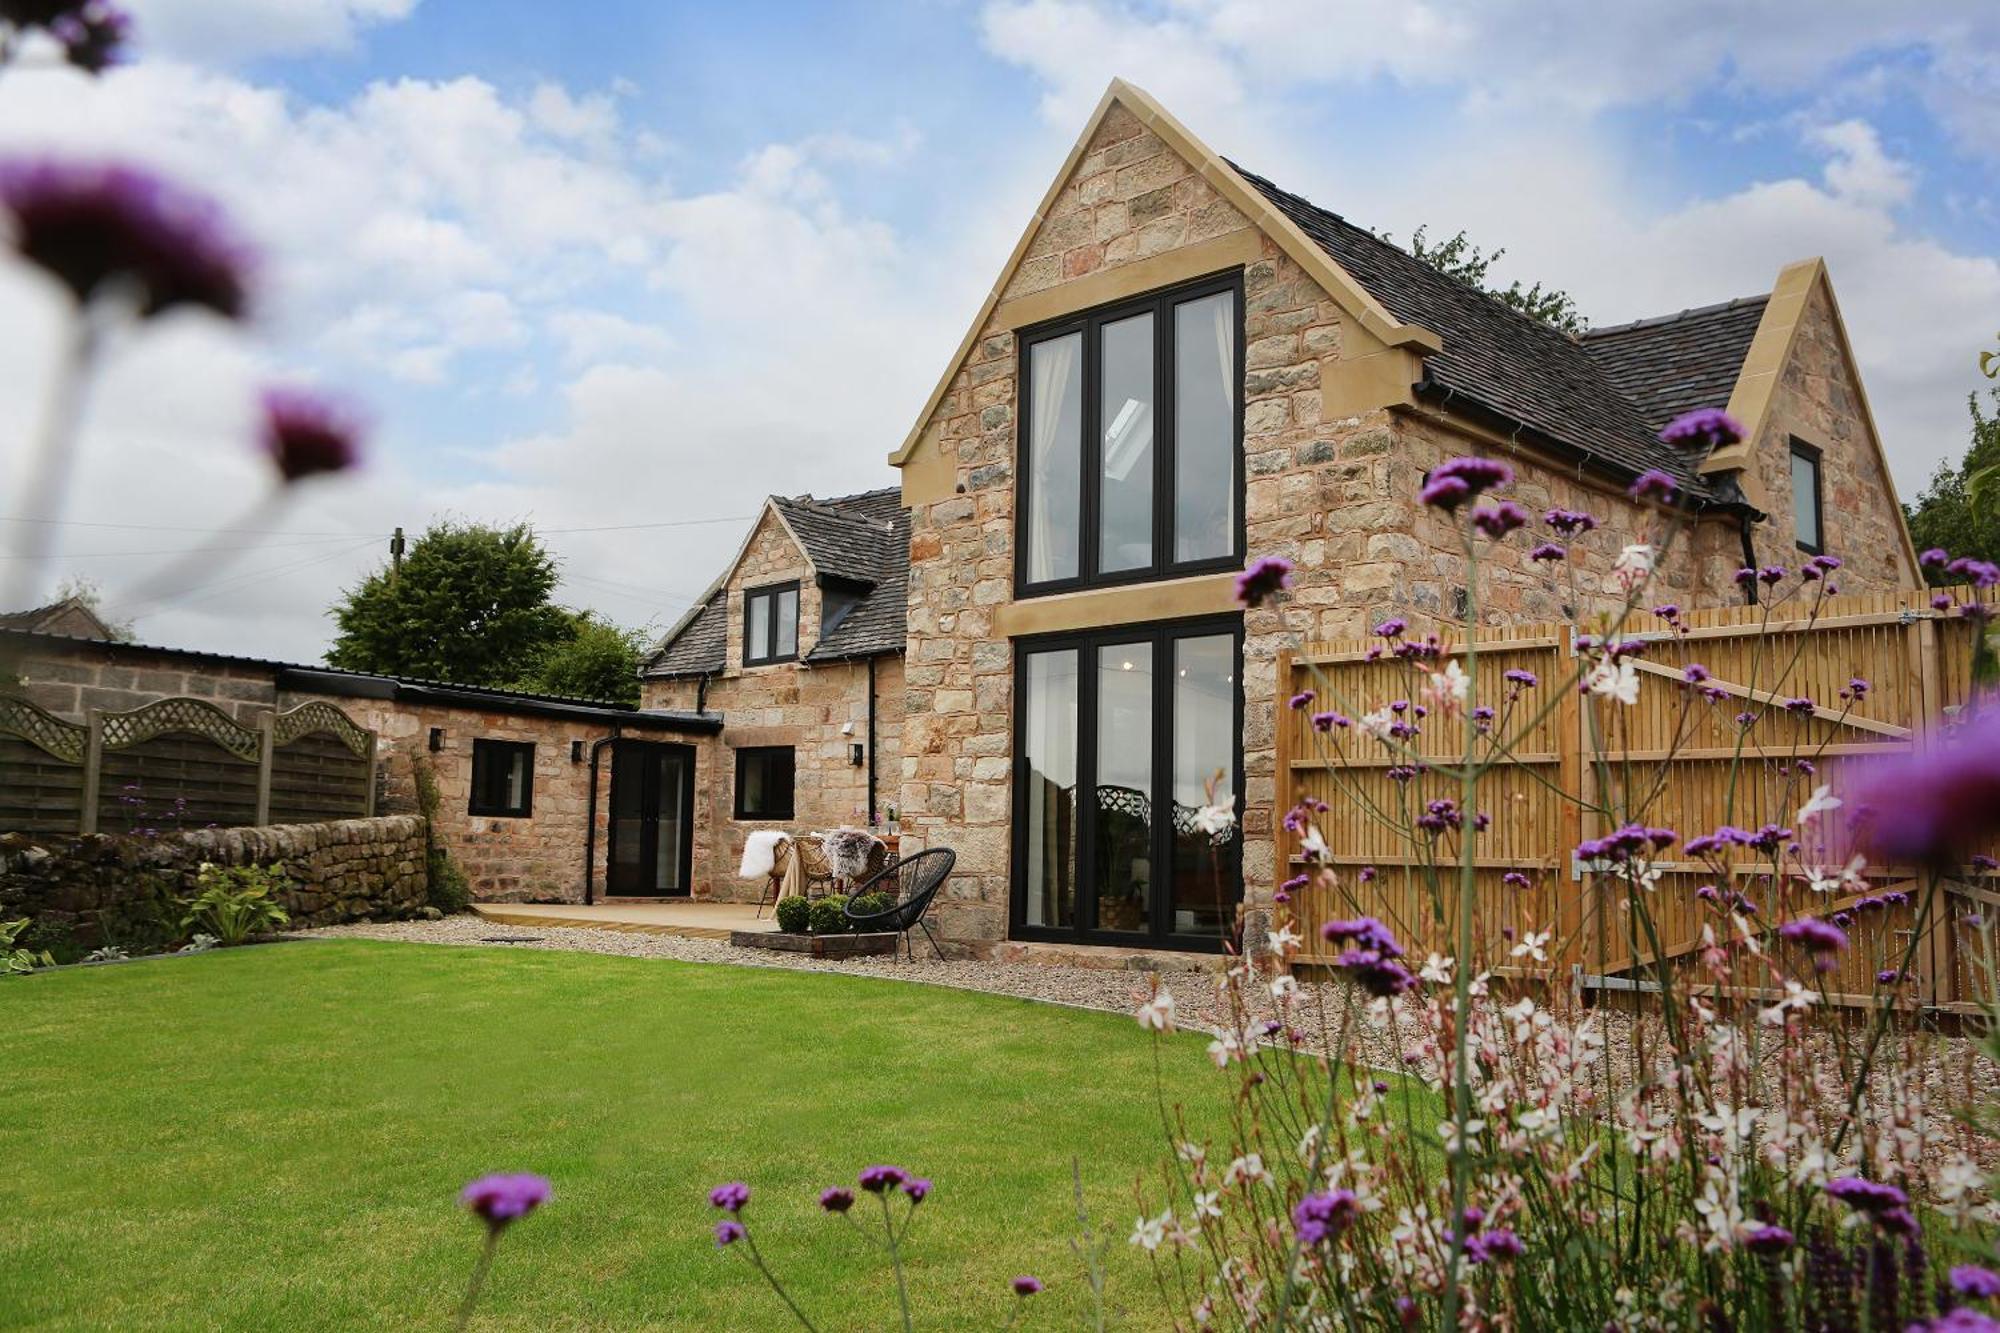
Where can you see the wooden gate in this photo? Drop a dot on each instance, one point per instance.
(1784, 719)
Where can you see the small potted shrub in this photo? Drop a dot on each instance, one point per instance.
(794, 915)
(829, 915)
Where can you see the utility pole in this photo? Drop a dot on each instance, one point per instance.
(396, 545)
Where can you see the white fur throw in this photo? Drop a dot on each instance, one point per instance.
(760, 853)
(847, 851)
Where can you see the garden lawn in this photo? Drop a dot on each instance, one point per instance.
(274, 1137)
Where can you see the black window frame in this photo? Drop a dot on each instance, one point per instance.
(769, 594)
(485, 751)
(1813, 454)
(1160, 304)
(791, 754)
(1160, 634)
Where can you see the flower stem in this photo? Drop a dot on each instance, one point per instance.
(896, 1260)
(479, 1271)
(51, 461)
(757, 1262)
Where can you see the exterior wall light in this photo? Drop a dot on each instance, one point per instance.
(576, 752)
(437, 739)
(856, 754)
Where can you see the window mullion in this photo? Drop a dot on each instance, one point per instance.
(1164, 437)
(1086, 783)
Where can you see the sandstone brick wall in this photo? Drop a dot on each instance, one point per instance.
(798, 704)
(1335, 493)
(1817, 399)
(70, 677)
(83, 891)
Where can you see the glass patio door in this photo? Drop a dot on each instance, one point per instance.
(1122, 736)
(651, 851)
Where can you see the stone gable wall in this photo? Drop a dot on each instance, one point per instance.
(1818, 400)
(1336, 494)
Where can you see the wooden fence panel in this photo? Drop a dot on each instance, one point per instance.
(1784, 720)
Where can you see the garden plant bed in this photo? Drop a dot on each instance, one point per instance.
(819, 946)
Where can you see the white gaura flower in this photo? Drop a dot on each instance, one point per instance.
(1157, 1014)
(1206, 1206)
(1284, 940)
(1453, 1145)
(1214, 820)
(1312, 846)
(1376, 724)
(1820, 802)
(1246, 1170)
(1448, 688)
(1436, 970)
(1634, 563)
(1614, 680)
(1646, 875)
(1849, 878)
(1534, 945)
(1284, 989)
(1148, 1232)
(1224, 1049)
(1797, 999)
(1538, 1122)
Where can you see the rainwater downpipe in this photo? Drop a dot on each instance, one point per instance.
(871, 743)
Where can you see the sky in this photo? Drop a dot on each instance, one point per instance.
(620, 270)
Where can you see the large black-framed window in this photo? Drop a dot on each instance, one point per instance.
(1808, 514)
(765, 779)
(1130, 443)
(1119, 734)
(503, 779)
(771, 624)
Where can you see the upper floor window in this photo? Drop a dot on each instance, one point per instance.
(1807, 518)
(503, 779)
(1131, 431)
(771, 624)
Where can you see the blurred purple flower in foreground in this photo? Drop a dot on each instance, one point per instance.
(93, 33)
(1932, 807)
(305, 434)
(505, 1197)
(98, 227)
(1705, 427)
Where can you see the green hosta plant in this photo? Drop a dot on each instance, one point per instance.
(235, 902)
(15, 960)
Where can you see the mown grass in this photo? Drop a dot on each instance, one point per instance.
(274, 1138)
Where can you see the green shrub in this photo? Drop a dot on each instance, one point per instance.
(868, 904)
(52, 938)
(448, 890)
(828, 916)
(794, 915)
(17, 960)
(235, 902)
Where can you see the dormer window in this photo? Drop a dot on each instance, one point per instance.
(771, 624)
(1131, 440)
(1808, 522)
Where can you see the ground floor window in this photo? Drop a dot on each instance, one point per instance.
(503, 779)
(1122, 737)
(764, 780)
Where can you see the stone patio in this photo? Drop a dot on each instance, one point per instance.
(688, 920)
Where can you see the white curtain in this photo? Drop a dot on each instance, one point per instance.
(1054, 365)
(1222, 313)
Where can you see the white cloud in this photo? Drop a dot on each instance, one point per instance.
(223, 31)
(1859, 170)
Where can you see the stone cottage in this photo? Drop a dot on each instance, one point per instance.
(798, 644)
(1182, 367)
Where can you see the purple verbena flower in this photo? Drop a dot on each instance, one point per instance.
(1768, 1239)
(1328, 720)
(918, 1188)
(1932, 807)
(1653, 484)
(1322, 1216)
(98, 228)
(1302, 700)
(1867, 1196)
(1445, 493)
(1497, 520)
(1821, 939)
(1026, 1285)
(1547, 551)
(1480, 474)
(1934, 557)
(1497, 1244)
(728, 1232)
(1525, 679)
(730, 1198)
(881, 1179)
(1266, 577)
(1960, 1320)
(305, 434)
(1745, 576)
(1981, 1284)
(1705, 428)
(1569, 522)
(505, 1197)
(836, 1199)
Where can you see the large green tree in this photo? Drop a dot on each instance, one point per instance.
(471, 604)
(1950, 513)
(1459, 258)
(599, 660)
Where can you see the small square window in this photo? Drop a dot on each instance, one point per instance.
(503, 779)
(1807, 517)
(771, 624)
(764, 780)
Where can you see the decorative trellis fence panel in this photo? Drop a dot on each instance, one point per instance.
(181, 763)
(1671, 759)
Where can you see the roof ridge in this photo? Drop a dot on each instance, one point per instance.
(827, 510)
(1657, 321)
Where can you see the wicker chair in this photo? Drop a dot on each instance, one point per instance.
(915, 880)
(814, 868)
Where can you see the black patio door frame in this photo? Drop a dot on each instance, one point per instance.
(648, 760)
(1087, 644)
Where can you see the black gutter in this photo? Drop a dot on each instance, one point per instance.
(344, 685)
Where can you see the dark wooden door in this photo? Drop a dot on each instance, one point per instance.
(652, 820)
